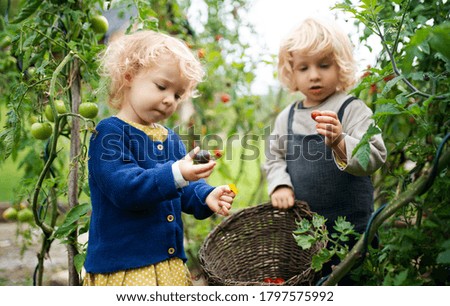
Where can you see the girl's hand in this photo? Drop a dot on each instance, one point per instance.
(220, 200)
(330, 127)
(283, 197)
(193, 172)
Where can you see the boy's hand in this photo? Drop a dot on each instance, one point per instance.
(193, 172)
(220, 200)
(283, 197)
(330, 127)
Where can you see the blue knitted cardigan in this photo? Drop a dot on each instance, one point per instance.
(136, 207)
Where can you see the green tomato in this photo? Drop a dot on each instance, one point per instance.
(48, 113)
(99, 24)
(25, 215)
(5, 41)
(33, 119)
(88, 110)
(60, 106)
(31, 71)
(10, 214)
(42, 130)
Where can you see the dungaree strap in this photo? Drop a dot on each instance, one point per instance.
(342, 109)
(340, 113)
(291, 118)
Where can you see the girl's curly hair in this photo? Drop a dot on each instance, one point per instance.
(129, 54)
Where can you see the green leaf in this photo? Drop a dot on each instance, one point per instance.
(78, 261)
(69, 224)
(385, 110)
(318, 221)
(363, 155)
(343, 226)
(362, 150)
(443, 257)
(303, 226)
(439, 39)
(305, 241)
(400, 278)
(390, 84)
(320, 258)
(27, 10)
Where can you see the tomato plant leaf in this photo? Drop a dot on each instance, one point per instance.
(303, 226)
(320, 258)
(69, 224)
(391, 84)
(385, 110)
(78, 261)
(362, 150)
(305, 241)
(27, 11)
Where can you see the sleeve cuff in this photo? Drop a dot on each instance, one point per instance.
(180, 182)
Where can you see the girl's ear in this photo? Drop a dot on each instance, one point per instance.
(128, 79)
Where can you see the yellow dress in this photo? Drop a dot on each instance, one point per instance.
(171, 272)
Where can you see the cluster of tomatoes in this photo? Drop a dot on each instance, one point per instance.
(21, 214)
(43, 130)
(275, 280)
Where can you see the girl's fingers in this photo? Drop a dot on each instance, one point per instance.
(225, 204)
(190, 155)
(202, 168)
(226, 198)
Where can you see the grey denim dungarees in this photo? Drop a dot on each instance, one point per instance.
(318, 181)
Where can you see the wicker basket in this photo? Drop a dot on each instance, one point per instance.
(256, 243)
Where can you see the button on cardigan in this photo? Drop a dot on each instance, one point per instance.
(132, 192)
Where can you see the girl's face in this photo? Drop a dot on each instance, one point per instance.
(316, 76)
(153, 94)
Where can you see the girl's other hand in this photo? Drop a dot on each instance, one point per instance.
(193, 172)
(283, 197)
(220, 200)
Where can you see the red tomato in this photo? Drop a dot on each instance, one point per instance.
(278, 280)
(268, 280)
(225, 98)
(218, 153)
(314, 114)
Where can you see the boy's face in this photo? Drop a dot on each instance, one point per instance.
(316, 76)
(154, 93)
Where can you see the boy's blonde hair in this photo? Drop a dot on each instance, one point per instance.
(129, 54)
(312, 37)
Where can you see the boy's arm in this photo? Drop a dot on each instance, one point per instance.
(356, 121)
(276, 146)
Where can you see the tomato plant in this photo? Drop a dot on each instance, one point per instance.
(49, 66)
(408, 91)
